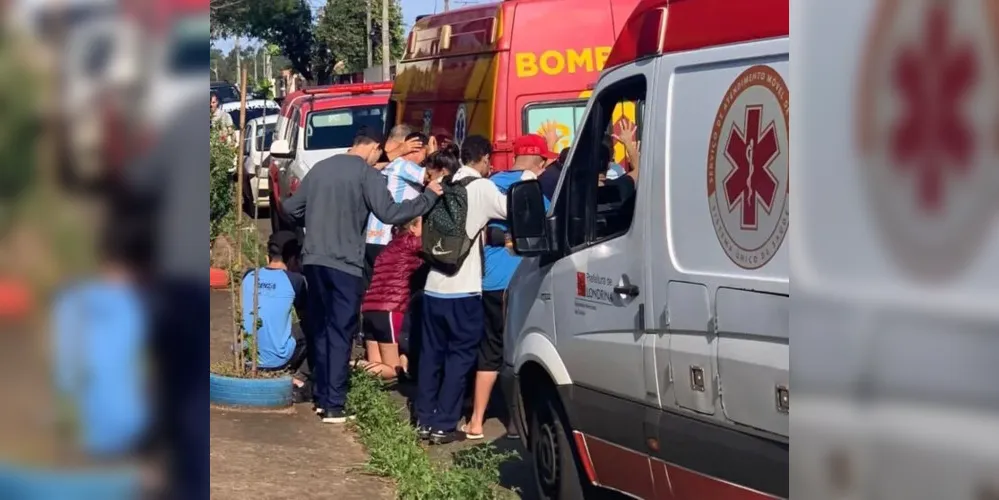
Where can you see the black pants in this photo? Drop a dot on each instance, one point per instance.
(299, 361)
(371, 252)
(334, 306)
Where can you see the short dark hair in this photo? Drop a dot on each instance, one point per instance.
(440, 160)
(451, 149)
(563, 155)
(419, 136)
(283, 245)
(474, 148)
(367, 135)
(605, 156)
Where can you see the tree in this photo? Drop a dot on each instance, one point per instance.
(286, 24)
(341, 27)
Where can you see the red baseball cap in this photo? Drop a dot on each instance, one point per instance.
(532, 144)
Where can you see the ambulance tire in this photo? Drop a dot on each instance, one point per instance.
(555, 461)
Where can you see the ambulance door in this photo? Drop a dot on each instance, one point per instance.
(599, 287)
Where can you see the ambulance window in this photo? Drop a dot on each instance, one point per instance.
(599, 204)
(566, 114)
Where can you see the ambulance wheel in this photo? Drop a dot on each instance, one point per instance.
(556, 469)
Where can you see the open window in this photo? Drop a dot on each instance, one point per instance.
(565, 114)
(600, 206)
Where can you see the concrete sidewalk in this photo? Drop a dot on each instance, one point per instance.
(283, 453)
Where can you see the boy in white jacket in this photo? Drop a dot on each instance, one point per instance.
(453, 321)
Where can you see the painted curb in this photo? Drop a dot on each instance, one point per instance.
(218, 278)
(256, 392)
(15, 300)
(28, 482)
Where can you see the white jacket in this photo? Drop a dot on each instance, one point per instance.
(485, 203)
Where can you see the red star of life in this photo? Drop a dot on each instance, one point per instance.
(932, 136)
(751, 152)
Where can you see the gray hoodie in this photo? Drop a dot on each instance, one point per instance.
(334, 200)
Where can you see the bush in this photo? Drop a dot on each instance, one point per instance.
(220, 195)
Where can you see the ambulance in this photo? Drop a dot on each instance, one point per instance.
(503, 69)
(647, 337)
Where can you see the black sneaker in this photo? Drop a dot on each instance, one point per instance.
(441, 437)
(423, 433)
(301, 394)
(335, 416)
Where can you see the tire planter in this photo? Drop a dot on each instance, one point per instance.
(218, 278)
(15, 300)
(28, 482)
(255, 392)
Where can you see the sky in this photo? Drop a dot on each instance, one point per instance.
(410, 9)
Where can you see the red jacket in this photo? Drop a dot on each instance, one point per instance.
(394, 274)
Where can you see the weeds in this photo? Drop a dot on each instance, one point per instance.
(396, 452)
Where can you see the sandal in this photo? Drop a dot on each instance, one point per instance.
(471, 437)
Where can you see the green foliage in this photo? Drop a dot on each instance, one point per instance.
(220, 190)
(286, 24)
(20, 125)
(264, 89)
(396, 452)
(341, 27)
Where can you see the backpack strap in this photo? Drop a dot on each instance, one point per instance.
(464, 182)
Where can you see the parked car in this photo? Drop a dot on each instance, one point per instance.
(316, 124)
(225, 91)
(647, 339)
(257, 138)
(255, 108)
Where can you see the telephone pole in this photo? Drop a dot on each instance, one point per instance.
(447, 5)
(367, 38)
(386, 53)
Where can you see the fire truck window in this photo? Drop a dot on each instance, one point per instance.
(601, 204)
(566, 115)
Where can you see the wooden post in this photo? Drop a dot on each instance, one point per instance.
(239, 216)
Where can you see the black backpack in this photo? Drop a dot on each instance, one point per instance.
(445, 242)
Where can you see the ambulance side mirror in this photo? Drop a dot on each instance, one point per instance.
(526, 217)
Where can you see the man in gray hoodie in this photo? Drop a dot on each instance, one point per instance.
(334, 201)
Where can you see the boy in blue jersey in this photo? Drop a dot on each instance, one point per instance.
(531, 156)
(280, 287)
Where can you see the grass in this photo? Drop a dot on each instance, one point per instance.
(396, 452)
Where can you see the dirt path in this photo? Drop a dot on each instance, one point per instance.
(281, 454)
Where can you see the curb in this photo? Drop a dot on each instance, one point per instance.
(29, 482)
(255, 392)
(15, 300)
(218, 278)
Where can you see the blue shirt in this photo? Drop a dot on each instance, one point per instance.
(500, 263)
(279, 292)
(100, 333)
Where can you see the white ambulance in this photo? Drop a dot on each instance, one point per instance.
(647, 330)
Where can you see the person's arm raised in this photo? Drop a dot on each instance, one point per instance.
(380, 202)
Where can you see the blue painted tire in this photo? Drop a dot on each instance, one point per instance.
(259, 392)
(28, 482)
